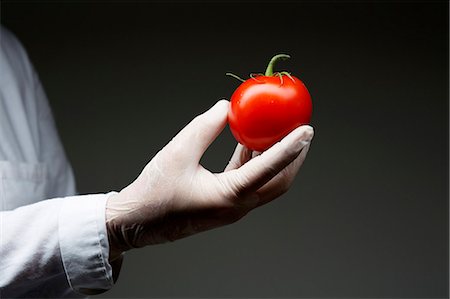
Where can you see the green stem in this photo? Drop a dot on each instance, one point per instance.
(269, 70)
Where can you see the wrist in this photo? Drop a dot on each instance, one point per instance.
(117, 244)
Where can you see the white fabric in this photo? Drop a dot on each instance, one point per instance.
(50, 246)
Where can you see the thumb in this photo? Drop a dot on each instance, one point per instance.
(258, 171)
(193, 140)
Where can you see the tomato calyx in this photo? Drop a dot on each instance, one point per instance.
(269, 71)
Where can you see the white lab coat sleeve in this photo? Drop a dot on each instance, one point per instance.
(53, 246)
(84, 243)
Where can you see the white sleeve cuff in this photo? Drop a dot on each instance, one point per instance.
(84, 244)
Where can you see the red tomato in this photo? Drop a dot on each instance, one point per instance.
(267, 107)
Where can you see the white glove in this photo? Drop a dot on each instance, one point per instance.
(175, 196)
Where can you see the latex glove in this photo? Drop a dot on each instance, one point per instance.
(175, 196)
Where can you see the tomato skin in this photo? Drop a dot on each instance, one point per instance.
(264, 109)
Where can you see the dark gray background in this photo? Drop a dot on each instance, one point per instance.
(368, 214)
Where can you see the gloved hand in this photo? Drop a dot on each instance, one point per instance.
(175, 196)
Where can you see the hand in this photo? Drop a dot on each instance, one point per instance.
(175, 196)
